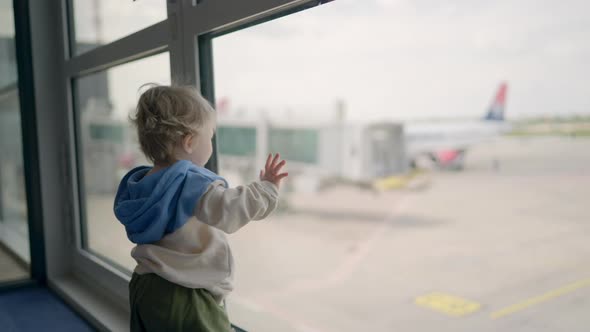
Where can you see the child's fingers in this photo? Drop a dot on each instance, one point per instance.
(274, 161)
(261, 174)
(278, 167)
(267, 165)
(281, 176)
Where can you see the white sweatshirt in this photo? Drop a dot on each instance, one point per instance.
(198, 255)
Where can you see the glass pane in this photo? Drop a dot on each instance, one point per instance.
(438, 160)
(14, 231)
(109, 147)
(99, 22)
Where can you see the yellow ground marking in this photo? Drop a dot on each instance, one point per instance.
(541, 298)
(395, 181)
(448, 304)
(392, 182)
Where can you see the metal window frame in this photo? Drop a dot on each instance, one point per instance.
(186, 34)
(29, 139)
(152, 40)
(26, 96)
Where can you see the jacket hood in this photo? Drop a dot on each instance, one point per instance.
(158, 204)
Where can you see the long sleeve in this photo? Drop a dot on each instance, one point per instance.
(228, 209)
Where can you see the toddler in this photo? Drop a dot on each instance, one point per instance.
(178, 213)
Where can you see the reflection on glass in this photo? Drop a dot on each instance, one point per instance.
(14, 234)
(99, 22)
(109, 147)
(438, 166)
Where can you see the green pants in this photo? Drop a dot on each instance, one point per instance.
(162, 306)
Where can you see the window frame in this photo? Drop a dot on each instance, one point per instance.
(186, 34)
(28, 123)
(79, 198)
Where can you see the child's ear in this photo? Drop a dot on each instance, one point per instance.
(187, 143)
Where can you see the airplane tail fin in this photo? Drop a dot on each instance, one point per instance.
(498, 106)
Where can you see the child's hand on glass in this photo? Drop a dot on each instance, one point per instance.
(271, 170)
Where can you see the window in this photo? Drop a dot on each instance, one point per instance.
(487, 230)
(413, 200)
(99, 22)
(105, 145)
(14, 232)
(108, 148)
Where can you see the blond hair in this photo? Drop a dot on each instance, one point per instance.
(166, 114)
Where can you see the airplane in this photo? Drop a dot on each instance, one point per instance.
(445, 144)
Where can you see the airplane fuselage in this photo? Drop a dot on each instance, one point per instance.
(435, 139)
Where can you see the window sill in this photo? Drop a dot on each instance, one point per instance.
(99, 310)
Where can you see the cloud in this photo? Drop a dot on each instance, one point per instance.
(413, 58)
(400, 58)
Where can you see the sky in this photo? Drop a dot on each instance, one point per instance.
(408, 59)
(384, 59)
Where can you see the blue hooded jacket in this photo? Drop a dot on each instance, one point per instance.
(153, 206)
